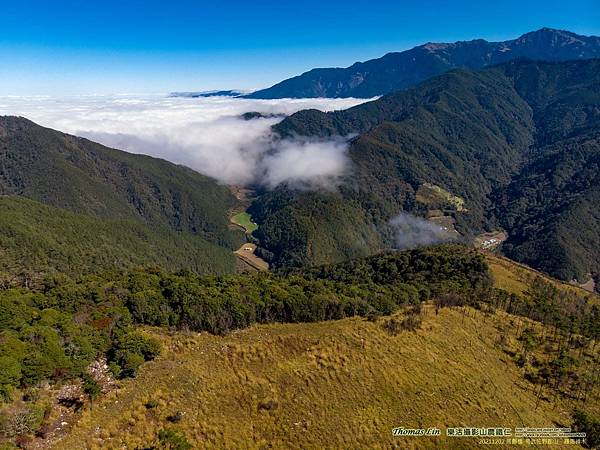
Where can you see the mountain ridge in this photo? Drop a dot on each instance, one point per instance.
(399, 70)
(74, 186)
(507, 140)
(82, 176)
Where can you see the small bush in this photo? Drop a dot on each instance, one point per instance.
(268, 405)
(411, 322)
(91, 387)
(172, 440)
(130, 363)
(589, 424)
(115, 369)
(130, 351)
(21, 422)
(449, 300)
(10, 374)
(373, 315)
(176, 417)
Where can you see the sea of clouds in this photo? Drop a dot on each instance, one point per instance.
(205, 134)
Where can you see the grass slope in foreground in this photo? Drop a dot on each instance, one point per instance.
(341, 384)
(346, 383)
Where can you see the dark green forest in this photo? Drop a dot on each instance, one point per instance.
(71, 205)
(81, 176)
(37, 240)
(517, 142)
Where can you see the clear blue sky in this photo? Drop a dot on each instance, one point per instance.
(73, 47)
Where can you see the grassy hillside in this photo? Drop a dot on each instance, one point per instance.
(36, 239)
(413, 338)
(342, 384)
(517, 143)
(81, 176)
(517, 278)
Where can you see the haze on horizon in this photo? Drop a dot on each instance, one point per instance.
(71, 47)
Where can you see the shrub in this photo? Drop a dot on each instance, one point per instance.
(175, 417)
(373, 315)
(131, 350)
(172, 440)
(21, 421)
(129, 363)
(589, 424)
(449, 300)
(411, 322)
(91, 388)
(10, 374)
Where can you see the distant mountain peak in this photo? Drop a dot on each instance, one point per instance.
(547, 30)
(222, 93)
(553, 36)
(433, 46)
(399, 70)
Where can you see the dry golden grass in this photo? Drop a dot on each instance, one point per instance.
(515, 278)
(341, 384)
(508, 275)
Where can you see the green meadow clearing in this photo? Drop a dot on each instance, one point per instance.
(244, 220)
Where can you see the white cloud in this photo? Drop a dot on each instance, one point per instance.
(305, 164)
(412, 231)
(206, 134)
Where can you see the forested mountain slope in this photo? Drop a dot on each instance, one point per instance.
(516, 143)
(400, 70)
(78, 188)
(37, 239)
(84, 177)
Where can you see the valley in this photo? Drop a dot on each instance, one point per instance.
(406, 243)
(470, 150)
(248, 260)
(244, 220)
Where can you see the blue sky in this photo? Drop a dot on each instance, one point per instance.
(85, 47)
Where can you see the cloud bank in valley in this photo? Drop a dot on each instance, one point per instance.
(206, 134)
(305, 163)
(412, 232)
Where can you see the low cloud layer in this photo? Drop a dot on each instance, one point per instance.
(305, 164)
(206, 134)
(412, 232)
